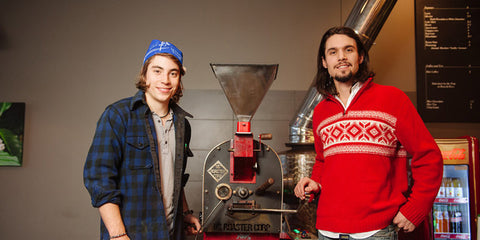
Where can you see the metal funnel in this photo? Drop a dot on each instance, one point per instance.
(245, 85)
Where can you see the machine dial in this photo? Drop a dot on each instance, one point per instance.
(223, 191)
(242, 192)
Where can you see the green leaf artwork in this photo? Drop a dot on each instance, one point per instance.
(12, 119)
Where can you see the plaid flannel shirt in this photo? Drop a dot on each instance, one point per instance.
(122, 168)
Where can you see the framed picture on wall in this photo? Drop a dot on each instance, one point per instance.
(12, 121)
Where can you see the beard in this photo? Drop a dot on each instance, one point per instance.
(344, 78)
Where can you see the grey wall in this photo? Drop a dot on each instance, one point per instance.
(67, 60)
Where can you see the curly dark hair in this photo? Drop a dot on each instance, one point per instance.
(323, 80)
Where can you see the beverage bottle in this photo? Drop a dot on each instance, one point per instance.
(441, 190)
(457, 185)
(456, 220)
(446, 219)
(439, 219)
(452, 220)
(450, 190)
(436, 219)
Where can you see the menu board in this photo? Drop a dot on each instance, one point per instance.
(447, 40)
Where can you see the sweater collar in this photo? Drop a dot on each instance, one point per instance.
(361, 88)
(353, 92)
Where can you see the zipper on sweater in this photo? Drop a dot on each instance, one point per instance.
(336, 101)
(368, 82)
(343, 107)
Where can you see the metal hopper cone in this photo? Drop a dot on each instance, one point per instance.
(245, 85)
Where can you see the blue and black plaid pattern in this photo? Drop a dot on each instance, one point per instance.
(120, 169)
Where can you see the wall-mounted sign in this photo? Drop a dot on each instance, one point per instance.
(447, 43)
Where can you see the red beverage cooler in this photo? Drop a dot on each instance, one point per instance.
(455, 210)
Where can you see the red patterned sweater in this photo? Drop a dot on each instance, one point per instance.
(361, 161)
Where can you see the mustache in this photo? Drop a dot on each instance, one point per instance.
(343, 63)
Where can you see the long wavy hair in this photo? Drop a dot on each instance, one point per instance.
(323, 81)
(142, 81)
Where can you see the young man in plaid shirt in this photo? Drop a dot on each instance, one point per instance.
(135, 168)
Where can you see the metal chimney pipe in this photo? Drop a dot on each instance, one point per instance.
(366, 18)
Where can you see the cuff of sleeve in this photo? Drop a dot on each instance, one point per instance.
(413, 214)
(316, 179)
(101, 200)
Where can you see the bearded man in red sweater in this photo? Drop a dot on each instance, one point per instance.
(362, 133)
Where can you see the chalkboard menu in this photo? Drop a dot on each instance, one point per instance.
(447, 40)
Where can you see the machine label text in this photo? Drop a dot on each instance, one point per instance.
(245, 227)
(217, 171)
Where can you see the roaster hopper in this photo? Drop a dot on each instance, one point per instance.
(242, 190)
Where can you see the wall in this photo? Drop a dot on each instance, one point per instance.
(67, 60)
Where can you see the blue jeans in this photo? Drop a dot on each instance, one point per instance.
(387, 233)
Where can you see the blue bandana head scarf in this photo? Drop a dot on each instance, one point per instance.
(157, 46)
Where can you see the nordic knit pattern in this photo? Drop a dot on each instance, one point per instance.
(361, 161)
(374, 135)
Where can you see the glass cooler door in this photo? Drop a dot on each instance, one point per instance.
(451, 212)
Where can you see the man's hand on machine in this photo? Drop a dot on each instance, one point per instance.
(192, 224)
(305, 187)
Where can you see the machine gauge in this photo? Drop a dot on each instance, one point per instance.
(223, 191)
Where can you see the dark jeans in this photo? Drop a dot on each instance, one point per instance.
(387, 233)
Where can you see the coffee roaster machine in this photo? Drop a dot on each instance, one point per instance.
(242, 190)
